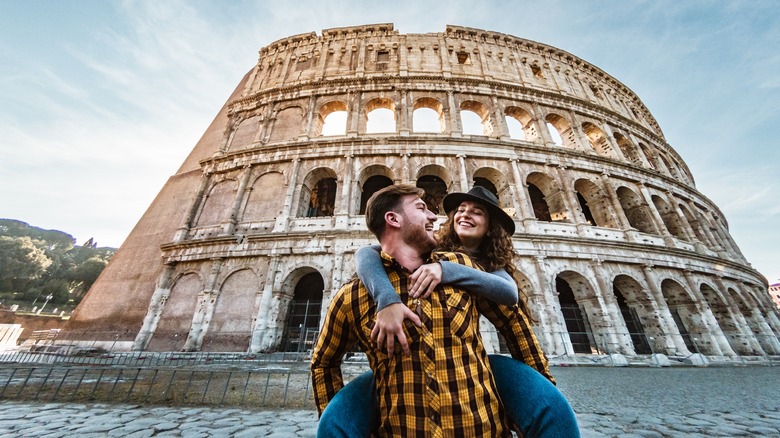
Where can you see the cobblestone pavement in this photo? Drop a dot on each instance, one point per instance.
(611, 402)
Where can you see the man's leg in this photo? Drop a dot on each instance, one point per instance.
(532, 402)
(352, 413)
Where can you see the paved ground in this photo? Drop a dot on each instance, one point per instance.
(614, 402)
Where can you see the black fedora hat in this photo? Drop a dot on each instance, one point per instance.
(485, 197)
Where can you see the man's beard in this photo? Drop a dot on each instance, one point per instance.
(420, 239)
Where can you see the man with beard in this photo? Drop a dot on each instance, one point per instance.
(444, 387)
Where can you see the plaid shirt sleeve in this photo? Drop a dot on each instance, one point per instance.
(513, 324)
(336, 338)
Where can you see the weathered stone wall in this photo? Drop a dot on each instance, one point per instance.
(619, 251)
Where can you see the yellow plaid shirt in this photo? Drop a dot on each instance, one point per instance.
(445, 388)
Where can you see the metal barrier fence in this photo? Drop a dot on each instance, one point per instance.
(111, 348)
(162, 386)
(56, 369)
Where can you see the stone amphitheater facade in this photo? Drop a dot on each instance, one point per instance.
(246, 243)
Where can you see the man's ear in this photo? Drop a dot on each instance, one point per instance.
(392, 219)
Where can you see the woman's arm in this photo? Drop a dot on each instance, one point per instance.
(371, 272)
(495, 286)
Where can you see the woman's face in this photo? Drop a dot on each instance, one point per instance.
(471, 223)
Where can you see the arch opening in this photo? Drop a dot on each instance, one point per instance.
(303, 315)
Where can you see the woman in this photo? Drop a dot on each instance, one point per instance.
(475, 225)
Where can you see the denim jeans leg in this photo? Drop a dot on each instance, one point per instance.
(352, 412)
(531, 401)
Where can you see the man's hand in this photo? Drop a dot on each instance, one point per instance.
(390, 324)
(424, 280)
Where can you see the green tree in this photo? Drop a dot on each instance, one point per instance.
(83, 275)
(21, 262)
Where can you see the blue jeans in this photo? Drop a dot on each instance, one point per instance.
(532, 403)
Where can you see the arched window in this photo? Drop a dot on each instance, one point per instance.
(371, 186)
(541, 210)
(649, 155)
(594, 204)
(332, 119)
(475, 118)
(560, 131)
(486, 183)
(435, 190)
(628, 149)
(520, 124)
(574, 316)
(318, 194)
(428, 116)
(670, 217)
(551, 195)
(597, 138)
(323, 197)
(637, 212)
(380, 116)
(634, 302)
(683, 308)
(303, 318)
(497, 183)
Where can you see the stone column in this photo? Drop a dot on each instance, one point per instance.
(569, 199)
(262, 340)
(501, 130)
(464, 182)
(456, 130)
(617, 333)
(181, 232)
(403, 62)
(156, 306)
(740, 321)
(658, 222)
(713, 330)
(690, 234)
(520, 199)
(230, 226)
(406, 176)
(404, 115)
(345, 207)
(617, 207)
(672, 342)
(355, 110)
(309, 128)
(612, 142)
(204, 310)
(282, 222)
(444, 56)
(553, 333)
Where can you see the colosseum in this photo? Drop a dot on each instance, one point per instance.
(619, 253)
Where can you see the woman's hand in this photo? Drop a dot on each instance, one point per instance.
(390, 324)
(424, 280)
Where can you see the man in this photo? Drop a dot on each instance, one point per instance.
(444, 386)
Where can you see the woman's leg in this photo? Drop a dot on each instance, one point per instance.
(532, 402)
(352, 412)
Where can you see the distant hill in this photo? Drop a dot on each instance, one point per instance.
(40, 266)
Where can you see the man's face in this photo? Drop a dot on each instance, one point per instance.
(417, 225)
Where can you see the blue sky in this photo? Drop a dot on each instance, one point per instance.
(100, 102)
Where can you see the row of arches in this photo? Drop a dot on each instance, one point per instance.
(544, 193)
(632, 312)
(475, 115)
